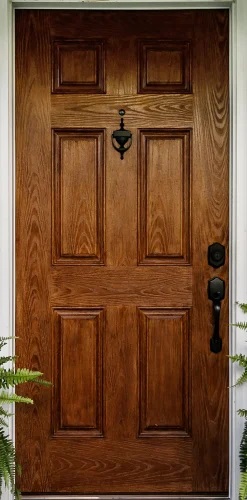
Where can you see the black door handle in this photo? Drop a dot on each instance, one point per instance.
(216, 293)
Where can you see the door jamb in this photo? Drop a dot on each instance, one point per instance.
(238, 184)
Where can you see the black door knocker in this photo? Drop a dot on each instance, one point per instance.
(122, 137)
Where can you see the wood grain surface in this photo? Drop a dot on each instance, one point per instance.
(111, 254)
(78, 196)
(210, 203)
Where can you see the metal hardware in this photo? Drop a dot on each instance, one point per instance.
(216, 293)
(216, 255)
(121, 136)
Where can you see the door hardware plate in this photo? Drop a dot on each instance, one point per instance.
(216, 255)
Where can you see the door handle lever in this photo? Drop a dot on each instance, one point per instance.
(216, 341)
(216, 293)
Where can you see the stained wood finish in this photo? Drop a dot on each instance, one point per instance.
(77, 372)
(112, 255)
(154, 111)
(164, 219)
(78, 196)
(164, 66)
(164, 342)
(78, 66)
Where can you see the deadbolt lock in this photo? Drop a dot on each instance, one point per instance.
(216, 255)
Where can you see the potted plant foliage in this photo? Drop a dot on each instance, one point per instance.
(9, 378)
(241, 359)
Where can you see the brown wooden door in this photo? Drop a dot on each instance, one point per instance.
(111, 260)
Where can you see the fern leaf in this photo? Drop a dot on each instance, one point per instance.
(3, 416)
(5, 413)
(11, 378)
(243, 378)
(5, 397)
(27, 375)
(242, 413)
(243, 450)
(4, 340)
(7, 461)
(243, 464)
(8, 466)
(6, 359)
(241, 324)
(241, 359)
(43, 382)
(242, 306)
(243, 486)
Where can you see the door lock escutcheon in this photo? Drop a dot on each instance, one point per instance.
(216, 293)
(216, 255)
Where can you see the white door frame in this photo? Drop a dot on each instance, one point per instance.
(238, 184)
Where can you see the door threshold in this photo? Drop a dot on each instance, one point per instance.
(124, 497)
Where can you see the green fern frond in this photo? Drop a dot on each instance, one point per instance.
(5, 397)
(243, 464)
(7, 459)
(243, 378)
(242, 306)
(4, 341)
(43, 382)
(241, 359)
(243, 486)
(242, 413)
(243, 450)
(8, 463)
(10, 378)
(5, 413)
(241, 324)
(6, 359)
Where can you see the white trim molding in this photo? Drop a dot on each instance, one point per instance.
(123, 4)
(238, 192)
(238, 218)
(6, 186)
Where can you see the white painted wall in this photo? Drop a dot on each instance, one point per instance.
(238, 173)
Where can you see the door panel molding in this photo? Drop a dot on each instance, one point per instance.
(156, 200)
(86, 328)
(74, 242)
(238, 185)
(159, 329)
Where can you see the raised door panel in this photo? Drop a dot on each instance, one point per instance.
(78, 337)
(78, 197)
(164, 66)
(165, 372)
(78, 66)
(164, 196)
